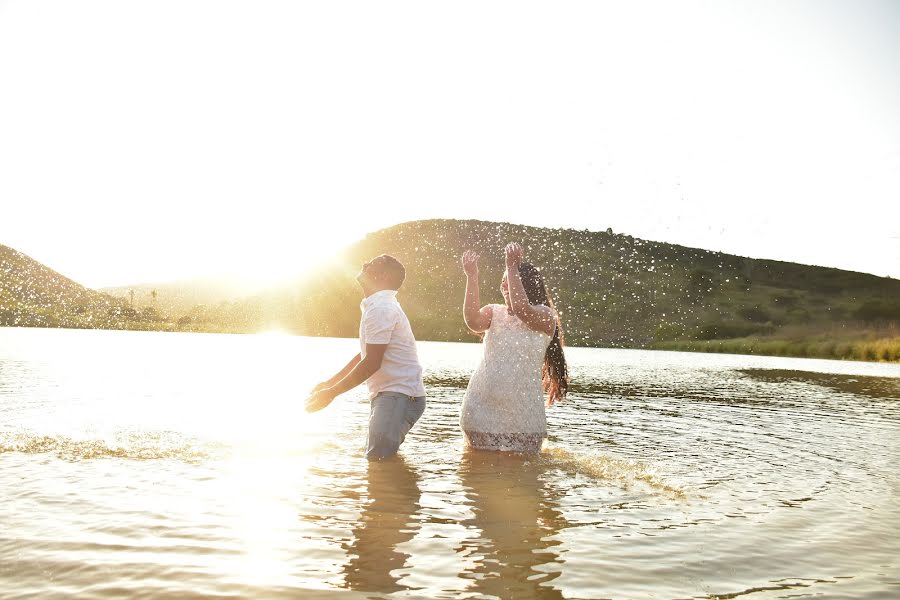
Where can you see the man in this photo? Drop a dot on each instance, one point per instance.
(387, 361)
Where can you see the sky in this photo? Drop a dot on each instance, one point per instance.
(153, 141)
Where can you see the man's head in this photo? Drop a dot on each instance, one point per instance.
(381, 273)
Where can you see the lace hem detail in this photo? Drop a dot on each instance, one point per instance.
(505, 442)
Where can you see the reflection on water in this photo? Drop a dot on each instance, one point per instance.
(178, 465)
(515, 520)
(392, 498)
(877, 388)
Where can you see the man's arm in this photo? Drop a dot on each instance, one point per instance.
(364, 369)
(358, 373)
(340, 374)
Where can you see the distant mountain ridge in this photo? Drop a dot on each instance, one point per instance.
(179, 297)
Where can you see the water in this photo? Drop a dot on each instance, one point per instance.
(179, 465)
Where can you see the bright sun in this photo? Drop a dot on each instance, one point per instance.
(260, 258)
(260, 252)
(268, 256)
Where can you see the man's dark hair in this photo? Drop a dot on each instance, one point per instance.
(394, 269)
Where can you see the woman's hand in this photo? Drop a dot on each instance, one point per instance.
(470, 263)
(514, 255)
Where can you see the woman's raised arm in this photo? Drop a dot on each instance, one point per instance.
(477, 318)
(537, 316)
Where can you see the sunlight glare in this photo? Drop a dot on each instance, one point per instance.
(274, 332)
(261, 491)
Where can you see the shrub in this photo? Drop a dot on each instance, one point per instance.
(755, 314)
(669, 331)
(785, 300)
(798, 315)
(718, 330)
(878, 310)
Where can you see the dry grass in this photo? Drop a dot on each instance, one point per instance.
(844, 341)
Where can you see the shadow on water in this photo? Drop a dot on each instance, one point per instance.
(386, 522)
(516, 519)
(881, 388)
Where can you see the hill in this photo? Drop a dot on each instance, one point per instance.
(611, 289)
(33, 295)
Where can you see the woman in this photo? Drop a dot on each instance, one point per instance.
(523, 357)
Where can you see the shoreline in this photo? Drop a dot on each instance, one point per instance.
(879, 350)
(882, 350)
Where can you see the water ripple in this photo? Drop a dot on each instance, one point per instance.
(184, 466)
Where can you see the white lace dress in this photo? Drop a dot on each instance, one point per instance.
(504, 404)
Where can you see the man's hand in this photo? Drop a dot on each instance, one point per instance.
(470, 263)
(319, 400)
(514, 255)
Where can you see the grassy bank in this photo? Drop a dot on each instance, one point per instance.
(840, 342)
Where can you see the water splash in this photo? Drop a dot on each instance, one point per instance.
(598, 466)
(135, 446)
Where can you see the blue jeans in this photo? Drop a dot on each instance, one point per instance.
(391, 416)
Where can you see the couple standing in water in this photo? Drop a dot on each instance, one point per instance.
(503, 409)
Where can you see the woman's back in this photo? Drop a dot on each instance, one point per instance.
(505, 394)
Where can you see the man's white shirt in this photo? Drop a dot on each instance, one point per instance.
(384, 322)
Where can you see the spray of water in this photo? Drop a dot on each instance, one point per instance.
(142, 446)
(600, 466)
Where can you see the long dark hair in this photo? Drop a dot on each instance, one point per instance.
(555, 373)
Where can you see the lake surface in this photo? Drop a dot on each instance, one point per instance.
(157, 465)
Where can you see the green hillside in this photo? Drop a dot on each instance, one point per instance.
(611, 289)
